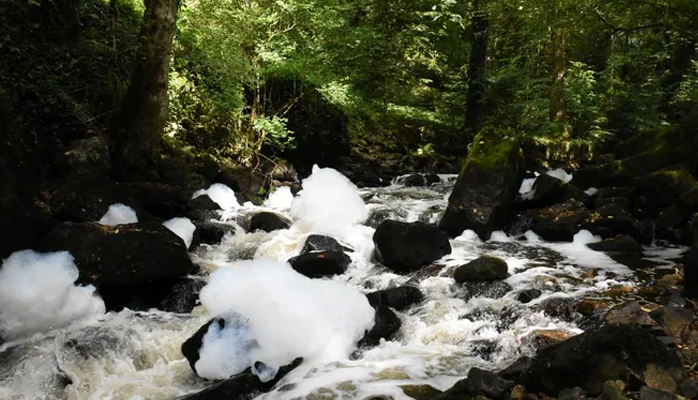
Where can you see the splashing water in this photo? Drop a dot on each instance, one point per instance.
(136, 355)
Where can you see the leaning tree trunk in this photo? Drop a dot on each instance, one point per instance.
(144, 109)
(474, 110)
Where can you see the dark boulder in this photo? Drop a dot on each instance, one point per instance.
(415, 180)
(483, 197)
(622, 244)
(243, 386)
(385, 326)
(612, 220)
(90, 154)
(432, 178)
(560, 222)
(210, 232)
(159, 200)
(626, 353)
(268, 222)
(630, 313)
(321, 264)
(203, 203)
(378, 215)
(406, 247)
(398, 298)
(489, 290)
(483, 269)
(141, 259)
(674, 320)
(647, 393)
(526, 296)
(478, 385)
(316, 243)
(550, 191)
(183, 296)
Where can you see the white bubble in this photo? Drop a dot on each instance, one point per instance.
(119, 214)
(221, 194)
(182, 227)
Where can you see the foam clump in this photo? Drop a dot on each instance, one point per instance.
(221, 194)
(182, 227)
(38, 294)
(560, 174)
(591, 191)
(273, 315)
(280, 198)
(119, 214)
(329, 202)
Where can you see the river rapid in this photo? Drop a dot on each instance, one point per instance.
(132, 355)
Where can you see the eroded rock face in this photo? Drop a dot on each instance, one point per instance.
(483, 197)
(627, 353)
(405, 247)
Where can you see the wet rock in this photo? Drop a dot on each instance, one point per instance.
(484, 348)
(243, 386)
(432, 178)
(689, 389)
(623, 244)
(630, 313)
(85, 154)
(563, 308)
(483, 269)
(647, 393)
(183, 296)
(399, 298)
(516, 370)
(203, 203)
(136, 259)
(420, 392)
(611, 391)
(385, 326)
(674, 320)
(268, 222)
(415, 180)
(488, 383)
(542, 338)
(483, 197)
(526, 296)
(406, 247)
(190, 347)
(613, 220)
(610, 352)
(560, 222)
(378, 216)
(590, 307)
(210, 232)
(321, 264)
(316, 243)
(550, 191)
(518, 392)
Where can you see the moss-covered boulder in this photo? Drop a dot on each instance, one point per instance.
(483, 197)
(560, 222)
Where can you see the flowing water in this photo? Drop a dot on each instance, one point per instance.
(135, 355)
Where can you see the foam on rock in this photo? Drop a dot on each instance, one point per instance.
(281, 198)
(119, 214)
(182, 227)
(273, 315)
(221, 194)
(329, 202)
(38, 294)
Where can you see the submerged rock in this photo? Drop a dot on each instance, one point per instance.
(398, 298)
(415, 180)
(526, 296)
(210, 232)
(268, 222)
(321, 264)
(601, 354)
(483, 269)
(483, 197)
(405, 247)
(183, 296)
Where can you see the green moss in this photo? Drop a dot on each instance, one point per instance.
(491, 149)
(674, 177)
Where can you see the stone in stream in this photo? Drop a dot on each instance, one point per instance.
(549, 191)
(386, 325)
(479, 383)
(483, 269)
(183, 296)
(647, 393)
(526, 296)
(415, 180)
(190, 347)
(398, 298)
(203, 203)
(611, 391)
(317, 243)
(268, 222)
(630, 313)
(243, 386)
(321, 264)
(405, 247)
(483, 197)
(609, 352)
(625, 250)
(211, 232)
(125, 262)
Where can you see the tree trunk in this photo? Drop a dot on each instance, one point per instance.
(144, 109)
(474, 110)
(558, 109)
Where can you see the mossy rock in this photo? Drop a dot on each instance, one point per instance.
(420, 392)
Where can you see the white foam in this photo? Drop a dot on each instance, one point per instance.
(591, 191)
(527, 185)
(329, 202)
(119, 214)
(560, 174)
(37, 294)
(280, 199)
(221, 194)
(182, 227)
(288, 314)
